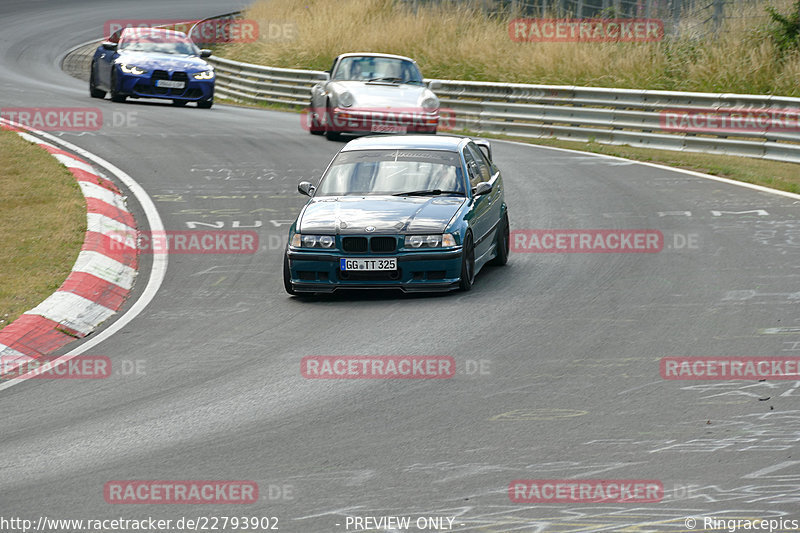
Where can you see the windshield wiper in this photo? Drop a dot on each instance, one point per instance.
(393, 79)
(428, 192)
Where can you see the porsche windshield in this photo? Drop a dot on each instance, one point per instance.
(394, 172)
(371, 68)
(157, 42)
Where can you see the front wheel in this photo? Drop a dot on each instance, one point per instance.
(205, 104)
(315, 125)
(94, 92)
(115, 96)
(502, 243)
(467, 264)
(330, 128)
(287, 277)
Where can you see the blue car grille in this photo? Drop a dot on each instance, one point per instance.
(145, 87)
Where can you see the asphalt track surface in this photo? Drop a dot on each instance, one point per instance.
(571, 343)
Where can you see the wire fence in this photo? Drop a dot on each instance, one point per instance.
(681, 18)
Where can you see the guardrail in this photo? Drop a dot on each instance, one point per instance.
(604, 115)
(258, 84)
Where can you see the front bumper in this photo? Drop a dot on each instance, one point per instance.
(347, 120)
(428, 271)
(144, 86)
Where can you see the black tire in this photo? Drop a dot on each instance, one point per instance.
(287, 277)
(467, 265)
(502, 243)
(205, 104)
(115, 96)
(94, 92)
(330, 134)
(179, 103)
(315, 126)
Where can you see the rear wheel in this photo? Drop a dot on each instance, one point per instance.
(502, 243)
(287, 277)
(467, 264)
(115, 96)
(94, 92)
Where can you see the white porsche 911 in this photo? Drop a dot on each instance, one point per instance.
(372, 93)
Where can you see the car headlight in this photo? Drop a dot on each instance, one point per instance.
(312, 241)
(346, 99)
(431, 103)
(206, 75)
(132, 69)
(429, 241)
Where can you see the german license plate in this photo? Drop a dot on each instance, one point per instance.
(170, 84)
(378, 263)
(388, 128)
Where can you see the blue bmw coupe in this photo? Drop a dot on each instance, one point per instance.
(409, 212)
(152, 63)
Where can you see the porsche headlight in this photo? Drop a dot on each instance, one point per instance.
(431, 103)
(206, 75)
(312, 241)
(132, 69)
(346, 99)
(429, 241)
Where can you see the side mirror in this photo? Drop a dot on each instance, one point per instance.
(434, 85)
(482, 188)
(205, 52)
(108, 45)
(305, 187)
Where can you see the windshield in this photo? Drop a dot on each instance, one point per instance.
(366, 68)
(157, 42)
(393, 172)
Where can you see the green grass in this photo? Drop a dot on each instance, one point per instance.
(42, 225)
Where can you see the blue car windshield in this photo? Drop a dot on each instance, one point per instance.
(389, 69)
(393, 172)
(159, 43)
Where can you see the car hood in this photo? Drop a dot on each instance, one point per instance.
(381, 95)
(151, 61)
(386, 214)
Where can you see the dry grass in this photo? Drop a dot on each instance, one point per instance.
(460, 43)
(42, 225)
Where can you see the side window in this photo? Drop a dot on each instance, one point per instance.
(473, 172)
(333, 66)
(484, 167)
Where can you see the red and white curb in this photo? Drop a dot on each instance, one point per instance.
(100, 281)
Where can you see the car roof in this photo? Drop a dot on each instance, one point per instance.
(407, 142)
(374, 54)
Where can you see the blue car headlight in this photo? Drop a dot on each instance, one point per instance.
(429, 241)
(132, 69)
(312, 241)
(205, 75)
